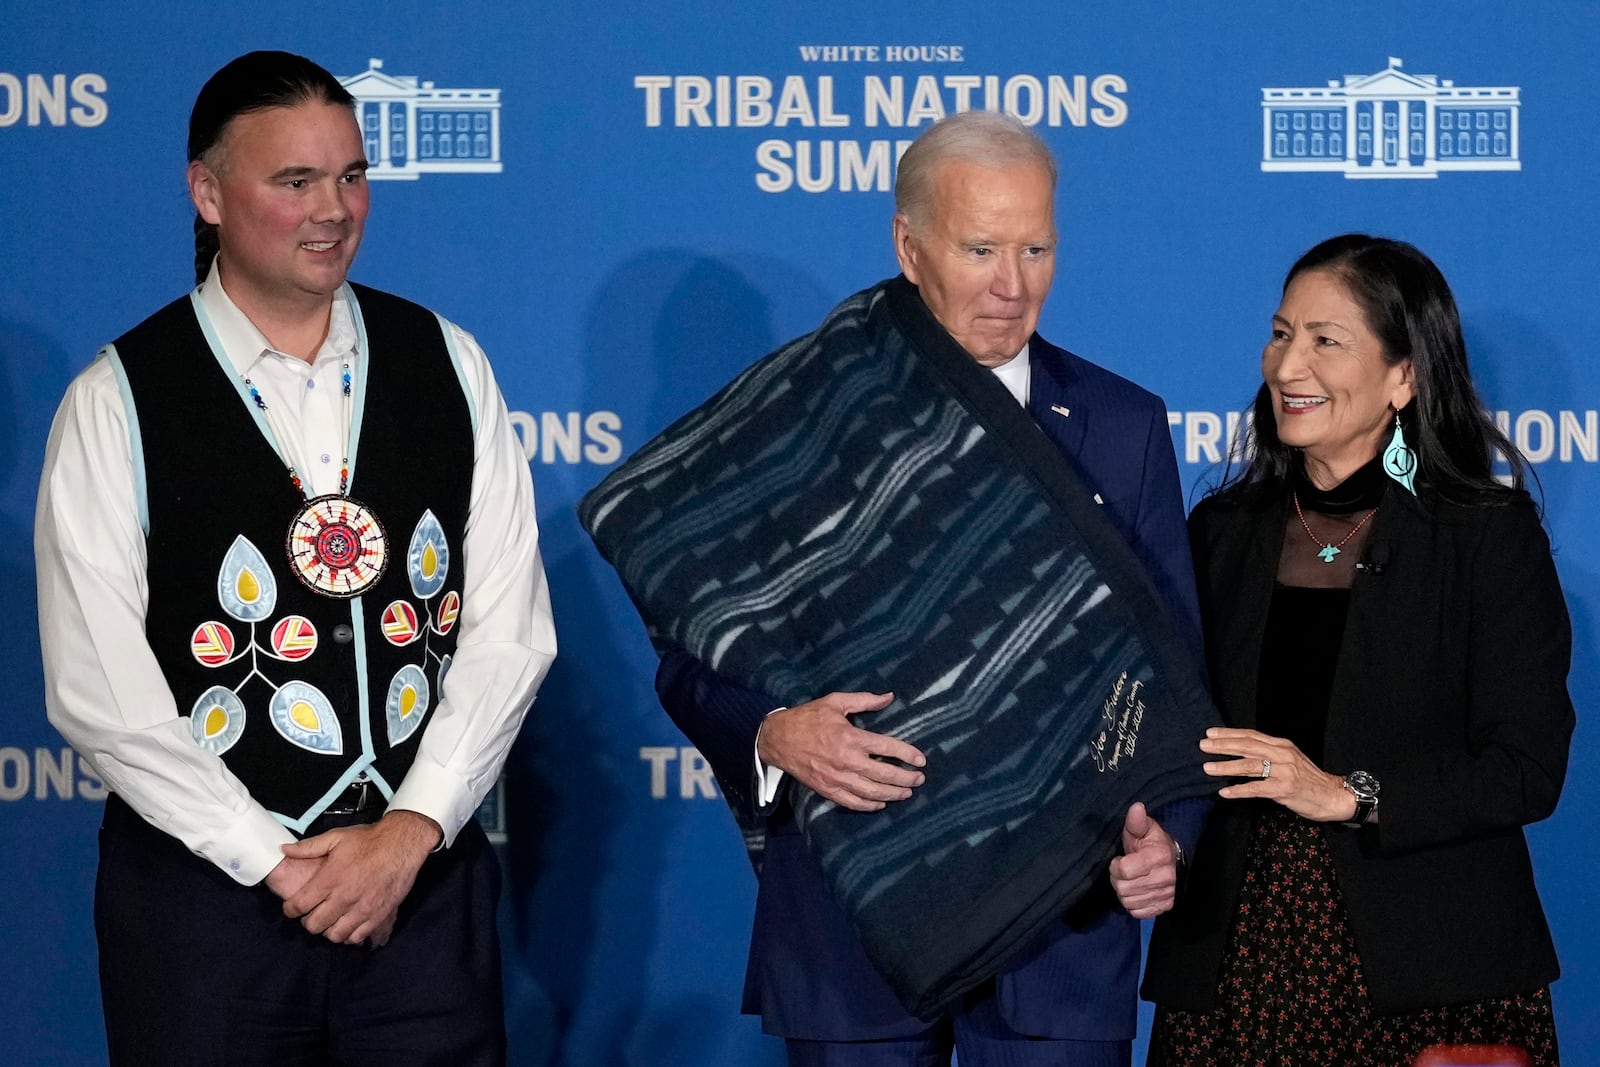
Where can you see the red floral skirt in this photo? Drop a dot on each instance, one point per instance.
(1292, 992)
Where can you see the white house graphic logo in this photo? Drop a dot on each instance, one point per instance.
(412, 129)
(1390, 125)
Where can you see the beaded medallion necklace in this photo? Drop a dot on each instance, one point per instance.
(336, 546)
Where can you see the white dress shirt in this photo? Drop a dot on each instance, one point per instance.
(103, 688)
(1016, 374)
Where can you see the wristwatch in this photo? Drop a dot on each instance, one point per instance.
(1365, 788)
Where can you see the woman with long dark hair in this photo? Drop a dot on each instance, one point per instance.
(1389, 645)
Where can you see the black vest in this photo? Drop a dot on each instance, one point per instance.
(297, 692)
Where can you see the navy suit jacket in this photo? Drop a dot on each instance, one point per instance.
(808, 976)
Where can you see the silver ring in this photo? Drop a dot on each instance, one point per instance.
(1266, 768)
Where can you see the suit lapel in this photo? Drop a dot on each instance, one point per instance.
(1051, 399)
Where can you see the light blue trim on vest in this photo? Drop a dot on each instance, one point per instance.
(383, 786)
(358, 614)
(363, 765)
(228, 371)
(141, 494)
(314, 812)
(358, 388)
(461, 372)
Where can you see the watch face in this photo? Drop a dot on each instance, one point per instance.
(1362, 784)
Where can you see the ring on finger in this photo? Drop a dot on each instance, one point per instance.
(1266, 768)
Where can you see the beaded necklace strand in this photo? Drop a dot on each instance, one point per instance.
(1328, 549)
(277, 431)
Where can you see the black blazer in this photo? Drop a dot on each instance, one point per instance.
(1451, 689)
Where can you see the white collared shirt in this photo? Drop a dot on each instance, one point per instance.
(1016, 374)
(103, 688)
(305, 399)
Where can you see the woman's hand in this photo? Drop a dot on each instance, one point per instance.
(1278, 771)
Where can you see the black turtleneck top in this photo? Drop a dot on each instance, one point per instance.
(1305, 621)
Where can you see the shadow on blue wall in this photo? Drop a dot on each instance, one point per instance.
(58, 1006)
(588, 866)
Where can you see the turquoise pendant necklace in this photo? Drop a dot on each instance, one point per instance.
(1327, 549)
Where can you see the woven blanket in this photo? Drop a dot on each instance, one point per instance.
(868, 509)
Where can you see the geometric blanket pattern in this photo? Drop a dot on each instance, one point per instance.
(868, 509)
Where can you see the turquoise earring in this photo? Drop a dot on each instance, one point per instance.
(1399, 460)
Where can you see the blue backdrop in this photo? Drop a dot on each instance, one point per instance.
(629, 202)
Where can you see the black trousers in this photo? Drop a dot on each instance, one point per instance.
(197, 969)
